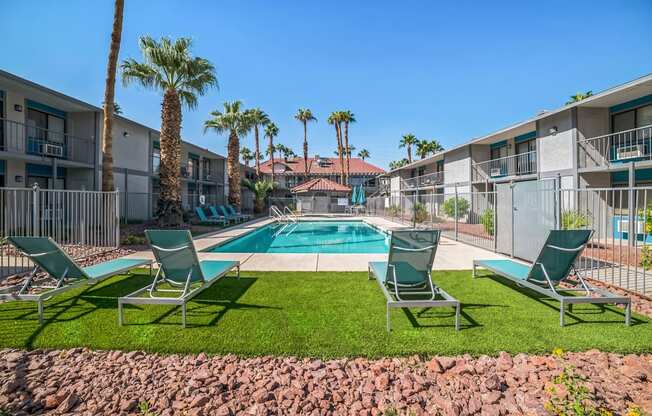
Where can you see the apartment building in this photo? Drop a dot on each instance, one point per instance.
(53, 140)
(602, 141)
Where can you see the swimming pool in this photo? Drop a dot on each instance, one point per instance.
(310, 237)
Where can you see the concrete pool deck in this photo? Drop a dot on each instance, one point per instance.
(451, 255)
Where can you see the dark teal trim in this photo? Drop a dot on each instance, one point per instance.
(498, 144)
(45, 108)
(2, 94)
(193, 156)
(440, 163)
(525, 137)
(156, 144)
(622, 176)
(43, 170)
(631, 104)
(2, 167)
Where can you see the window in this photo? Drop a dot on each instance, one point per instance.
(632, 119)
(2, 171)
(422, 171)
(206, 168)
(44, 126)
(498, 152)
(193, 168)
(156, 160)
(2, 124)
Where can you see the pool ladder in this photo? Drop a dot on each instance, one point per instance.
(276, 213)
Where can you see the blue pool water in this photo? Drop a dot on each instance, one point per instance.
(310, 237)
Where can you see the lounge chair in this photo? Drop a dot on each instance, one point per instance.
(203, 218)
(553, 266)
(217, 215)
(179, 268)
(405, 278)
(233, 211)
(228, 215)
(49, 257)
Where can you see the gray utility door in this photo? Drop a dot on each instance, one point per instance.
(535, 214)
(504, 217)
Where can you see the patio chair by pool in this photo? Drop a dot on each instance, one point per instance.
(179, 269)
(49, 257)
(405, 278)
(232, 211)
(228, 215)
(553, 266)
(212, 220)
(218, 216)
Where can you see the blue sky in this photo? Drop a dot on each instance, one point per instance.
(445, 70)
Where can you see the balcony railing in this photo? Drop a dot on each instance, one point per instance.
(20, 138)
(424, 181)
(514, 165)
(616, 148)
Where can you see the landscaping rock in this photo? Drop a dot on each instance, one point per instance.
(80, 381)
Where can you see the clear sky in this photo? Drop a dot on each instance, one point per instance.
(449, 70)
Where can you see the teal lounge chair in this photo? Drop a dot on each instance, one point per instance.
(215, 214)
(228, 215)
(405, 278)
(203, 218)
(232, 211)
(553, 266)
(49, 257)
(179, 268)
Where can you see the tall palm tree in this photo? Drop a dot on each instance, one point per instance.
(363, 154)
(110, 108)
(349, 150)
(335, 118)
(235, 122)
(271, 131)
(579, 97)
(168, 66)
(304, 115)
(258, 118)
(347, 118)
(247, 155)
(408, 140)
(397, 164)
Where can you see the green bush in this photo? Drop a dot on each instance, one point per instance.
(134, 240)
(573, 220)
(646, 257)
(420, 212)
(462, 207)
(487, 220)
(394, 210)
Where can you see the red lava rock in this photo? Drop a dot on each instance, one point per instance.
(68, 403)
(434, 366)
(447, 362)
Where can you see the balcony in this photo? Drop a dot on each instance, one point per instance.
(508, 166)
(633, 145)
(19, 138)
(423, 181)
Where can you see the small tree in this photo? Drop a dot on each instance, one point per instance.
(573, 220)
(462, 207)
(260, 190)
(420, 212)
(487, 221)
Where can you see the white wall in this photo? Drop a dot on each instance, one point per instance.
(457, 166)
(132, 151)
(556, 151)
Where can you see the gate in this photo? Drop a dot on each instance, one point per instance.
(535, 214)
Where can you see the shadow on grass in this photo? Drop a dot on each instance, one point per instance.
(575, 312)
(224, 294)
(466, 321)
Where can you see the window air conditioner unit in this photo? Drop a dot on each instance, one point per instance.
(629, 152)
(495, 172)
(52, 149)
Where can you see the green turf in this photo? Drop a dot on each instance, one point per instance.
(319, 314)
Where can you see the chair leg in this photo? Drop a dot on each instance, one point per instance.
(458, 308)
(121, 317)
(561, 313)
(183, 315)
(389, 325)
(473, 272)
(238, 272)
(40, 311)
(628, 313)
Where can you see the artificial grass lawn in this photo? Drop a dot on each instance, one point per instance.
(319, 314)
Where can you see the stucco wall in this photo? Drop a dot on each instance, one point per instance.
(132, 151)
(592, 122)
(457, 166)
(556, 150)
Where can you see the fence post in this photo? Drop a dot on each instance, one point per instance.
(455, 213)
(35, 210)
(630, 205)
(559, 208)
(117, 217)
(495, 228)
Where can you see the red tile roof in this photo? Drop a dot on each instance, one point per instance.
(320, 184)
(331, 167)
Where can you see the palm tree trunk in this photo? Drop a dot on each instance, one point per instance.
(169, 207)
(409, 150)
(305, 146)
(257, 143)
(338, 132)
(271, 153)
(233, 168)
(347, 151)
(109, 99)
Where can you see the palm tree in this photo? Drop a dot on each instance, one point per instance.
(110, 108)
(235, 122)
(408, 141)
(285, 151)
(271, 131)
(363, 154)
(347, 118)
(304, 115)
(247, 155)
(349, 151)
(335, 118)
(398, 164)
(579, 97)
(169, 67)
(257, 118)
(260, 189)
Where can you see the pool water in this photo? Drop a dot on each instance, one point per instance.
(310, 237)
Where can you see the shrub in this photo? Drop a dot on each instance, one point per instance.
(572, 220)
(394, 210)
(646, 257)
(487, 220)
(420, 212)
(462, 207)
(133, 240)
